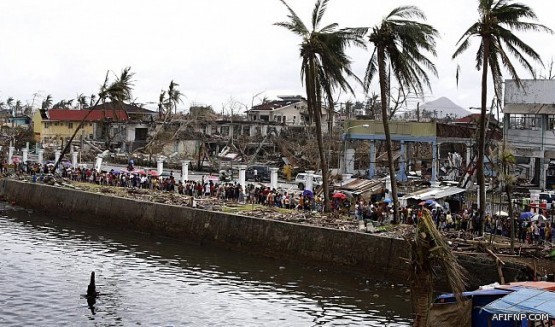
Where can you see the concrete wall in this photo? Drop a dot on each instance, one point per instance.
(373, 256)
(369, 255)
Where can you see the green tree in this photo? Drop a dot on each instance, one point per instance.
(47, 103)
(324, 67)
(118, 91)
(497, 19)
(400, 44)
(168, 101)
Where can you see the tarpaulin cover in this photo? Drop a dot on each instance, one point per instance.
(450, 314)
(525, 300)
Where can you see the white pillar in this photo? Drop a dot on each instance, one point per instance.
(435, 159)
(349, 161)
(57, 155)
(74, 159)
(402, 176)
(27, 146)
(309, 177)
(160, 166)
(242, 179)
(468, 153)
(10, 154)
(98, 163)
(372, 168)
(274, 177)
(185, 170)
(25, 154)
(40, 152)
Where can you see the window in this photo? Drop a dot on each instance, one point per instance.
(56, 124)
(70, 125)
(225, 130)
(519, 121)
(236, 130)
(551, 122)
(247, 130)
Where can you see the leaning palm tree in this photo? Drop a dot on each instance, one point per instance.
(400, 44)
(119, 91)
(429, 251)
(47, 103)
(324, 68)
(497, 41)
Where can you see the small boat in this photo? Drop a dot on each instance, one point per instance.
(497, 305)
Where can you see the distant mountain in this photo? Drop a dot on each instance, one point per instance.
(443, 107)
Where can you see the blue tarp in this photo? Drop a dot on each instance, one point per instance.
(525, 300)
(450, 297)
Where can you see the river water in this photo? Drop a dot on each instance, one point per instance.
(45, 266)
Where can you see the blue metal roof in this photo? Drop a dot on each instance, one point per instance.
(525, 300)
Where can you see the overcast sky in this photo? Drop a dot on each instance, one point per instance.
(219, 51)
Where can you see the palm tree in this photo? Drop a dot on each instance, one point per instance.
(399, 46)
(506, 177)
(161, 101)
(429, 250)
(82, 101)
(167, 105)
(47, 103)
(324, 67)
(118, 91)
(494, 28)
(174, 96)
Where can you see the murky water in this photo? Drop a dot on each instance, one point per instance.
(45, 266)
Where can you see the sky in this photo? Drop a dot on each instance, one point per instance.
(223, 53)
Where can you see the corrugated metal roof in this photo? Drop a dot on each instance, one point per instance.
(434, 193)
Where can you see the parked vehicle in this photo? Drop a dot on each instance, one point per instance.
(258, 173)
(300, 180)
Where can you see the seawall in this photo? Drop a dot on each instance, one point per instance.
(370, 255)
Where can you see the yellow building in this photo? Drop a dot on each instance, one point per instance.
(57, 125)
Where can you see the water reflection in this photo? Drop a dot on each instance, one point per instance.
(158, 281)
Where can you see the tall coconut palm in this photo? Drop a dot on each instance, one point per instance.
(118, 91)
(400, 44)
(497, 19)
(324, 68)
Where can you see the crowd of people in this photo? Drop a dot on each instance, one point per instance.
(466, 220)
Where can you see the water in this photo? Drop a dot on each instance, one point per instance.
(45, 266)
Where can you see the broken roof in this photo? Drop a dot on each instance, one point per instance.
(91, 115)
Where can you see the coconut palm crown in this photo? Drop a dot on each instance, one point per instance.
(324, 67)
(401, 43)
(496, 22)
